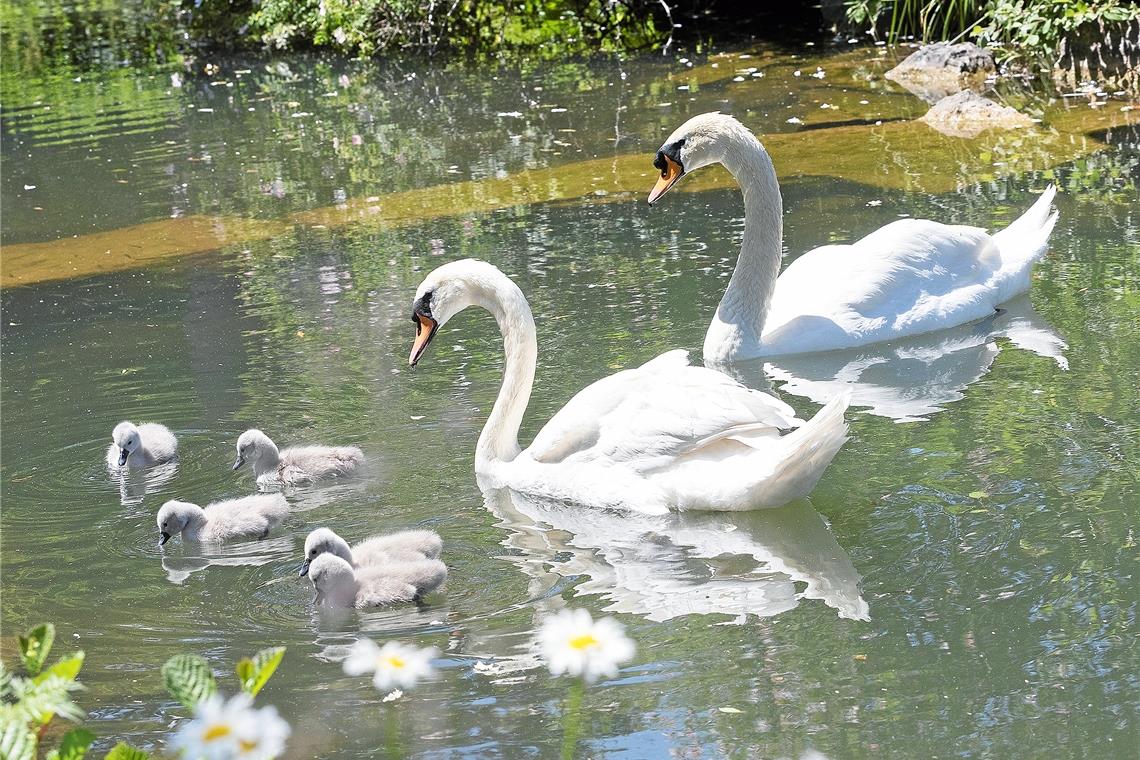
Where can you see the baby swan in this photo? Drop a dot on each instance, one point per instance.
(247, 517)
(140, 445)
(338, 585)
(295, 465)
(403, 545)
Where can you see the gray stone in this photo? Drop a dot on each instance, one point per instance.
(934, 71)
(968, 114)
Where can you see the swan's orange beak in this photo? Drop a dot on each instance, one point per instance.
(671, 171)
(425, 331)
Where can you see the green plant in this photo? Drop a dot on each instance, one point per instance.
(922, 18)
(1035, 28)
(190, 680)
(1018, 29)
(29, 703)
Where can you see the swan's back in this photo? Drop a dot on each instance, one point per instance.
(305, 463)
(395, 582)
(647, 416)
(405, 544)
(159, 442)
(906, 278)
(245, 517)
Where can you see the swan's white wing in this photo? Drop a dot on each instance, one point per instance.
(647, 416)
(910, 276)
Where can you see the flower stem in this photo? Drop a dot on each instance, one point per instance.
(572, 718)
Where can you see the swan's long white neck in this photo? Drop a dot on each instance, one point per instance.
(499, 441)
(739, 320)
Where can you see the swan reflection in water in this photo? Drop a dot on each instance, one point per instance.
(195, 557)
(135, 484)
(908, 380)
(666, 566)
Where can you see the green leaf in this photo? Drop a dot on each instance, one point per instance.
(32, 702)
(5, 682)
(34, 647)
(189, 679)
(73, 746)
(67, 668)
(124, 751)
(255, 672)
(16, 741)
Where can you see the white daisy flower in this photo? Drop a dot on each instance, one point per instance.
(267, 738)
(225, 730)
(573, 642)
(392, 665)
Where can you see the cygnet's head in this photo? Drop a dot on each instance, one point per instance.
(334, 580)
(126, 437)
(695, 144)
(450, 289)
(250, 446)
(173, 518)
(322, 541)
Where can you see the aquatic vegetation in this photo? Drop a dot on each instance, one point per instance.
(393, 666)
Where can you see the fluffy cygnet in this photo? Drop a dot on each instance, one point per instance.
(141, 445)
(247, 517)
(338, 585)
(297, 464)
(403, 545)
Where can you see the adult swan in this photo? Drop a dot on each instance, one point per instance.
(909, 277)
(663, 436)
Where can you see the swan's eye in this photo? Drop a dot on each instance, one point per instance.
(422, 306)
(313, 553)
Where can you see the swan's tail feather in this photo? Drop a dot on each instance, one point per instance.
(1023, 242)
(808, 451)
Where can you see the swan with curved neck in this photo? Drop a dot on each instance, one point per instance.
(663, 436)
(908, 277)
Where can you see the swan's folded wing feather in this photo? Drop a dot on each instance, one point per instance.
(658, 411)
(906, 271)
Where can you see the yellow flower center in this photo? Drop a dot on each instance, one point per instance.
(216, 731)
(247, 746)
(394, 661)
(585, 641)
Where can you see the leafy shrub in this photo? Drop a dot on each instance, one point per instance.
(1017, 29)
(366, 27)
(29, 703)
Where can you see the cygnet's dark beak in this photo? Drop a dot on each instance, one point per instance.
(163, 538)
(123, 454)
(304, 568)
(239, 461)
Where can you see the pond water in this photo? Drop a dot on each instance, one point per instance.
(239, 247)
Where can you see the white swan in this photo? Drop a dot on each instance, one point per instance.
(404, 544)
(295, 465)
(338, 585)
(664, 435)
(246, 517)
(909, 277)
(141, 445)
